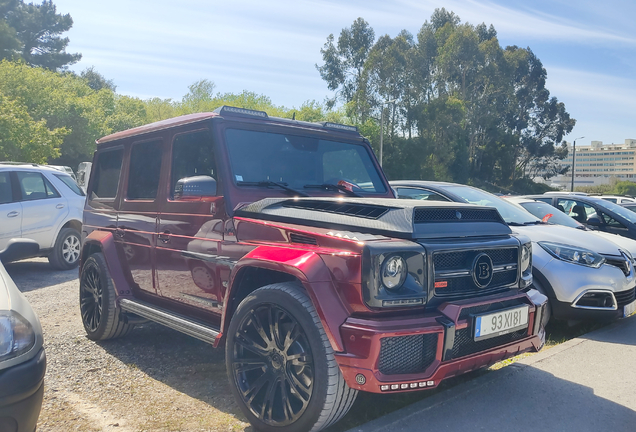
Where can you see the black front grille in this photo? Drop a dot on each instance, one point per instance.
(625, 297)
(466, 345)
(428, 215)
(621, 263)
(464, 259)
(407, 354)
(359, 210)
(461, 287)
(302, 239)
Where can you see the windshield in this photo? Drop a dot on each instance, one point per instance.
(619, 210)
(509, 212)
(300, 162)
(541, 210)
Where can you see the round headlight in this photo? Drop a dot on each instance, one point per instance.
(526, 256)
(393, 272)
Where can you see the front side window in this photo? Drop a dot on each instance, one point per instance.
(106, 177)
(300, 162)
(6, 194)
(35, 187)
(145, 167)
(577, 210)
(192, 155)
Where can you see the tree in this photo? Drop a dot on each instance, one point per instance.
(96, 81)
(32, 32)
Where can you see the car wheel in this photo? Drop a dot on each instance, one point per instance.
(280, 363)
(101, 317)
(66, 251)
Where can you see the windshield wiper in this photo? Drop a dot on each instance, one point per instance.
(332, 187)
(269, 183)
(537, 222)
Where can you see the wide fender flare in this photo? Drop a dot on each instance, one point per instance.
(309, 268)
(105, 243)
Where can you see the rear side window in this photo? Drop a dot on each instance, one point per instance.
(72, 184)
(107, 170)
(145, 167)
(35, 187)
(6, 195)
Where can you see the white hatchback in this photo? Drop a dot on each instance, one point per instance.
(45, 205)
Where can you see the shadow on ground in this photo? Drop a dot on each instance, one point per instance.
(36, 273)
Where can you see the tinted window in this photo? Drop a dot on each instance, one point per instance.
(419, 194)
(145, 167)
(68, 181)
(6, 195)
(107, 170)
(192, 155)
(34, 186)
(550, 213)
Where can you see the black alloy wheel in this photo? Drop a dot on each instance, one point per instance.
(273, 365)
(91, 298)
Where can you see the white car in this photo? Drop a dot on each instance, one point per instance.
(22, 356)
(45, 205)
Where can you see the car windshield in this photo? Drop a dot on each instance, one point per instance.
(300, 162)
(619, 210)
(542, 210)
(509, 212)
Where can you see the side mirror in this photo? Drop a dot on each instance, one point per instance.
(594, 221)
(18, 249)
(197, 188)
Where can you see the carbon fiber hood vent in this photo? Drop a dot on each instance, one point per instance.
(406, 219)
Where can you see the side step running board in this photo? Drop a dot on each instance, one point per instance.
(170, 319)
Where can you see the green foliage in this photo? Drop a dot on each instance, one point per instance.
(31, 32)
(625, 188)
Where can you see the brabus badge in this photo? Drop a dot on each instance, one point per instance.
(458, 215)
(482, 270)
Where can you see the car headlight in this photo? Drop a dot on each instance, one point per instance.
(16, 335)
(393, 272)
(526, 257)
(573, 254)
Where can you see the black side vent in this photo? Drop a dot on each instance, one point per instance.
(359, 210)
(426, 215)
(302, 239)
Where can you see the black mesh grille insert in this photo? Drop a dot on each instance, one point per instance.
(464, 259)
(302, 239)
(427, 215)
(466, 345)
(358, 210)
(620, 263)
(625, 297)
(407, 354)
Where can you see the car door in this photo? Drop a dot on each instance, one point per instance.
(614, 224)
(190, 261)
(43, 208)
(137, 217)
(10, 210)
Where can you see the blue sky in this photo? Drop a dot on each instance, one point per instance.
(158, 48)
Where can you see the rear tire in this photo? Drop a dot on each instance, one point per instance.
(66, 251)
(101, 317)
(281, 366)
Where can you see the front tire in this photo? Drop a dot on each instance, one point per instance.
(66, 251)
(280, 363)
(101, 317)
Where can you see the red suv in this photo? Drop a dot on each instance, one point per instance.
(281, 240)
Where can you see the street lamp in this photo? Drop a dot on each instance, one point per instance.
(382, 125)
(573, 159)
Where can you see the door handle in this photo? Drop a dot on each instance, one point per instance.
(164, 237)
(13, 214)
(59, 206)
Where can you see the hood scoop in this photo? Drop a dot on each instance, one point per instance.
(405, 219)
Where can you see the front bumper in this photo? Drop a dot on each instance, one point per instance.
(21, 394)
(418, 351)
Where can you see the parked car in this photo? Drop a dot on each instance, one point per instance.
(617, 199)
(593, 212)
(43, 204)
(583, 275)
(547, 213)
(67, 169)
(83, 174)
(22, 356)
(281, 240)
(629, 206)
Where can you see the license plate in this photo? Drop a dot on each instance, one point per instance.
(501, 322)
(629, 309)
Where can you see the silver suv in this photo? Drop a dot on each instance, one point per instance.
(45, 205)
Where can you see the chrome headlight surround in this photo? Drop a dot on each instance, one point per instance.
(16, 335)
(573, 254)
(526, 257)
(394, 274)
